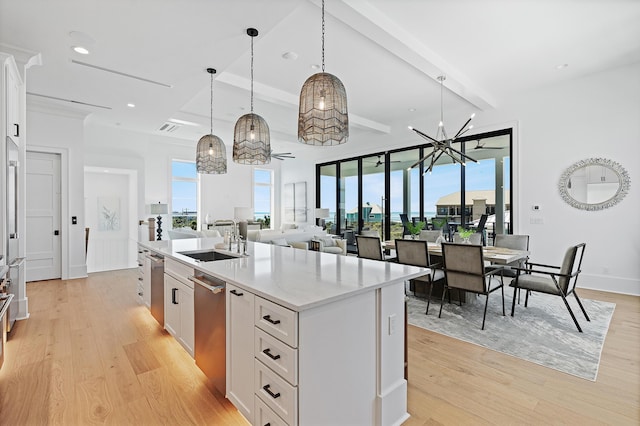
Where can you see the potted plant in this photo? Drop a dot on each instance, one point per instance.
(465, 234)
(414, 229)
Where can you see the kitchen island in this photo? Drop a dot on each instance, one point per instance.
(311, 338)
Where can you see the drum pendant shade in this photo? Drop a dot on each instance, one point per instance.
(211, 154)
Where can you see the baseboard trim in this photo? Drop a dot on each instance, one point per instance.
(609, 284)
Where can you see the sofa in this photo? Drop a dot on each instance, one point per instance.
(299, 238)
(182, 233)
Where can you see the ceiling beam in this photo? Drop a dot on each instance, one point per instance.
(283, 98)
(369, 21)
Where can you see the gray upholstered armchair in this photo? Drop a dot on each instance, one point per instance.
(555, 280)
(464, 270)
(416, 253)
(332, 245)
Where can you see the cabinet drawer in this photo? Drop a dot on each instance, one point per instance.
(274, 391)
(179, 271)
(265, 415)
(277, 321)
(277, 356)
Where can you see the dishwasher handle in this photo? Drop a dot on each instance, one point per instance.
(155, 258)
(215, 289)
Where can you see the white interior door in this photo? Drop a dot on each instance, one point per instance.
(43, 241)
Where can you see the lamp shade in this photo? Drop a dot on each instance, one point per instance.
(243, 213)
(322, 213)
(158, 208)
(251, 140)
(323, 118)
(211, 155)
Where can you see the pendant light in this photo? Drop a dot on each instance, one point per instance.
(211, 154)
(323, 118)
(251, 140)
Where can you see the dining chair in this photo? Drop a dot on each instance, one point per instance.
(404, 218)
(514, 242)
(480, 228)
(369, 247)
(555, 280)
(464, 270)
(430, 236)
(370, 233)
(416, 253)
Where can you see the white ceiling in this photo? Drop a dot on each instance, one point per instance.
(387, 53)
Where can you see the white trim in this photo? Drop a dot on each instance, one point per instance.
(64, 205)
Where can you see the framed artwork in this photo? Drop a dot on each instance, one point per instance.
(295, 202)
(108, 214)
(289, 206)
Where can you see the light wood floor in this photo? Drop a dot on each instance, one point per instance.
(89, 354)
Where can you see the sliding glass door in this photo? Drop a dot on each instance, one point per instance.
(374, 192)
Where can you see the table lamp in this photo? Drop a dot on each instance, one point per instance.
(159, 209)
(242, 215)
(321, 215)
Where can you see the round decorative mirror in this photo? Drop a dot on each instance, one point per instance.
(594, 184)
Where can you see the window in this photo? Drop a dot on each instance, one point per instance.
(448, 193)
(263, 196)
(184, 194)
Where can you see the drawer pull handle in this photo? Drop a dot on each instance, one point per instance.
(235, 293)
(173, 296)
(273, 395)
(268, 353)
(268, 318)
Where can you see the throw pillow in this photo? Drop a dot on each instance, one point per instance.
(328, 242)
(279, 242)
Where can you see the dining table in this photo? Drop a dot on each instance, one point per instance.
(496, 255)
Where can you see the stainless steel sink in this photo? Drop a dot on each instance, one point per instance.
(206, 256)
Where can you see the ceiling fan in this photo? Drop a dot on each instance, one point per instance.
(380, 162)
(482, 146)
(281, 155)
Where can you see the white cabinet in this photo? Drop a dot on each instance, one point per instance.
(178, 304)
(12, 101)
(143, 284)
(239, 351)
(338, 363)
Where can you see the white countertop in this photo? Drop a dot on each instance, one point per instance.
(294, 278)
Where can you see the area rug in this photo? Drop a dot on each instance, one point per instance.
(543, 333)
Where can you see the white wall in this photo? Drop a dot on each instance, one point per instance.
(59, 130)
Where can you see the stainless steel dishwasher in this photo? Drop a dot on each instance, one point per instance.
(210, 334)
(157, 287)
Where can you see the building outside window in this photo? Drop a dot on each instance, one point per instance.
(263, 196)
(184, 194)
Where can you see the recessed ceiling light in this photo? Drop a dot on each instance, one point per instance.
(291, 56)
(81, 50)
(315, 66)
(130, 105)
(561, 66)
(412, 109)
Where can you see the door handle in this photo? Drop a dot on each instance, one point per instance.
(173, 296)
(56, 232)
(17, 134)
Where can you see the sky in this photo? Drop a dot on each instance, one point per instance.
(444, 180)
